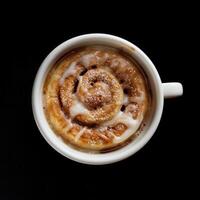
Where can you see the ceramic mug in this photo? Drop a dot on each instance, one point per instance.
(159, 92)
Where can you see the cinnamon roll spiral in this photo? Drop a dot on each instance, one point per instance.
(95, 98)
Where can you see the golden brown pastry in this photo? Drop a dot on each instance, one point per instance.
(95, 98)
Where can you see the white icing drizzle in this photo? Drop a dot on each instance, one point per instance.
(103, 58)
(125, 100)
(110, 132)
(79, 134)
(106, 56)
(132, 125)
(125, 118)
(77, 107)
(138, 99)
(80, 83)
(69, 126)
(69, 71)
(85, 60)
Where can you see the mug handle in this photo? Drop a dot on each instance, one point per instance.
(173, 89)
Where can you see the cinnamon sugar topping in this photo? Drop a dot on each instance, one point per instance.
(96, 98)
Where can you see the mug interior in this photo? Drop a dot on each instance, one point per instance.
(147, 67)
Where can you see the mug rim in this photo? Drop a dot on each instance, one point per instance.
(81, 156)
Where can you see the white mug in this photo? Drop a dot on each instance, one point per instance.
(159, 92)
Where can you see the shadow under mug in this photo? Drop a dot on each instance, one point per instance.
(159, 92)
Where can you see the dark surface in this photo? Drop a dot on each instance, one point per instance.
(30, 168)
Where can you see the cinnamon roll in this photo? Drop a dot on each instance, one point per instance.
(96, 98)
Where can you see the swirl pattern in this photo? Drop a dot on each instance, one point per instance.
(96, 98)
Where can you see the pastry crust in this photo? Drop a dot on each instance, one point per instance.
(95, 98)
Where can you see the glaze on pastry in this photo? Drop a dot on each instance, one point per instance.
(96, 98)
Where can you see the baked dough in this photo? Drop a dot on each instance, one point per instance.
(96, 98)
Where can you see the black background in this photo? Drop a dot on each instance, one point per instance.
(30, 168)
